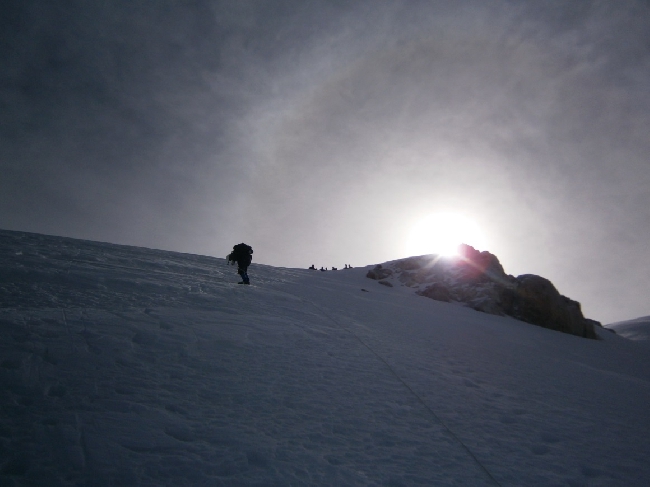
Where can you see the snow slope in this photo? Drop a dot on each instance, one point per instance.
(637, 329)
(130, 366)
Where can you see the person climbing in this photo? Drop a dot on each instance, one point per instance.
(242, 254)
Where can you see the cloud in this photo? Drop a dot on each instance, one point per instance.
(328, 128)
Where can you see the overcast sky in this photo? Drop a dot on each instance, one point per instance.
(319, 132)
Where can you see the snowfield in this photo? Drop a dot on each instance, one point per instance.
(637, 329)
(130, 366)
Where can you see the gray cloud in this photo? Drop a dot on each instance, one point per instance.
(319, 131)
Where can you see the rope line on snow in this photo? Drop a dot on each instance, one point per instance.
(417, 396)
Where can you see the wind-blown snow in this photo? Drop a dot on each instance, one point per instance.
(130, 366)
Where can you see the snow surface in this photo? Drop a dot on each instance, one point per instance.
(637, 329)
(129, 366)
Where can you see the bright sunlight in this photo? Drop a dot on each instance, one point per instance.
(442, 233)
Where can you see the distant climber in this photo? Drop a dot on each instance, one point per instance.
(242, 254)
(313, 268)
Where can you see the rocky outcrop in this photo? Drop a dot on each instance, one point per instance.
(536, 300)
(477, 279)
(437, 291)
(379, 272)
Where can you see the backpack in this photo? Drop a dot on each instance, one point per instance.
(241, 250)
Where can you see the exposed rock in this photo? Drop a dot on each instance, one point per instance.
(486, 305)
(594, 323)
(475, 266)
(412, 263)
(386, 283)
(598, 324)
(436, 291)
(379, 273)
(478, 280)
(535, 300)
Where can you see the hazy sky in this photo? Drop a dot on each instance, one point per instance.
(319, 132)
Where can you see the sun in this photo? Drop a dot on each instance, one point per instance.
(442, 233)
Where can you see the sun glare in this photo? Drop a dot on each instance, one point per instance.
(442, 233)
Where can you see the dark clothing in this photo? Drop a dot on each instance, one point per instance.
(243, 255)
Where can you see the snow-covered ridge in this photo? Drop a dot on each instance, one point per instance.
(478, 280)
(130, 366)
(637, 329)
